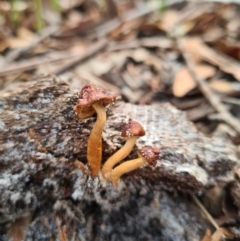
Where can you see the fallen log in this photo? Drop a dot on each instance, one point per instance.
(43, 170)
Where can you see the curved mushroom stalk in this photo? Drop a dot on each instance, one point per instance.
(118, 156)
(94, 148)
(147, 155)
(131, 132)
(126, 167)
(93, 99)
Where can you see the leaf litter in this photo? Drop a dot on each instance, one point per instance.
(188, 55)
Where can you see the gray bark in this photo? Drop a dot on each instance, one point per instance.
(40, 139)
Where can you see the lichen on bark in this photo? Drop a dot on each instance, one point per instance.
(40, 140)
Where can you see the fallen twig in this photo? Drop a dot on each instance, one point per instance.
(230, 100)
(204, 210)
(98, 81)
(15, 53)
(159, 42)
(212, 97)
(101, 44)
(37, 61)
(141, 11)
(197, 47)
(32, 63)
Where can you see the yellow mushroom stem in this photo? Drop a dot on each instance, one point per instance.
(118, 156)
(94, 148)
(126, 167)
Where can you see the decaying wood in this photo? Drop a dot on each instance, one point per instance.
(41, 141)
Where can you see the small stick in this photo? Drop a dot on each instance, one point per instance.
(211, 96)
(230, 100)
(98, 81)
(45, 33)
(139, 12)
(34, 62)
(204, 210)
(148, 42)
(96, 47)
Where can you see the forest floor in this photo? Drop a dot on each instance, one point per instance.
(147, 52)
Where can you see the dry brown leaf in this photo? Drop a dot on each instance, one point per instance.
(25, 33)
(205, 21)
(24, 37)
(140, 55)
(227, 233)
(229, 48)
(207, 236)
(169, 20)
(233, 25)
(196, 47)
(225, 87)
(154, 62)
(183, 82)
(119, 58)
(213, 34)
(17, 43)
(205, 71)
(221, 85)
(74, 18)
(99, 66)
(126, 31)
(182, 29)
(217, 235)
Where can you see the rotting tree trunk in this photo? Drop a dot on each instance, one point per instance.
(40, 140)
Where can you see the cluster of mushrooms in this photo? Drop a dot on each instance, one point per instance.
(93, 99)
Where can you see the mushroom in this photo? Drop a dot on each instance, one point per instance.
(93, 99)
(131, 132)
(147, 155)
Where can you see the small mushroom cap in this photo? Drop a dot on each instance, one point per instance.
(151, 154)
(132, 128)
(89, 95)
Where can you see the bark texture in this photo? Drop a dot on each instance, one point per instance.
(41, 139)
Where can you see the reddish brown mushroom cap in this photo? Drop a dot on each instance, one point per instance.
(89, 95)
(151, 154)
(132, 128)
